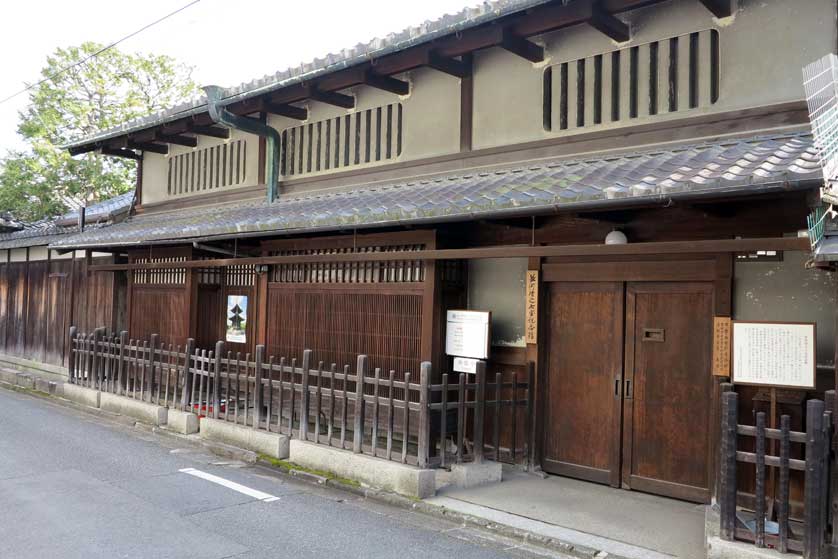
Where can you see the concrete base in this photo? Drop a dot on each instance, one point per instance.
(139, 410)
(25, 381)
(46, 371)
(471, 474)
(81, 395)
(270, 444)
(718, 548)
(374, 472)
(46, 386)
(182, 422)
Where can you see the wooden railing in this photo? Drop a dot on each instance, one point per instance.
(361, 410)
(808, 537)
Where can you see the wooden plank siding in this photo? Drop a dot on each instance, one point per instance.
(41, 299)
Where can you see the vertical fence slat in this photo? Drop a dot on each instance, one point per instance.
(187, 386)
(329, 430)
(479, 410)
(813, 537)
(783, 505)
(257, 386)
(461, 416)
(318, 402)
(727, 497)
(513, 450)
(305, 397)
(71, 357)
(443, 421)
(530, 419)
(344, 407)
(270, 386)
(496, 427)
(423, 451)
(759, 469)
(358, 434)
(390, 414)
(216, 396)
(281, 394)
(406, 434)
(375, 410)
(293, 397)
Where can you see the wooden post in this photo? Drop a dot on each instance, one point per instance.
(96, 382)
(727, 493)
(152, 360)
(185, 403)
(759, 468)
(71, 360)
(814, 484)
(216, 389)
(783, 509)
(257, 386)
(479, 410)
(304, 396)
(530, 420)
(424, 412)
(120, 368)
(358, 435)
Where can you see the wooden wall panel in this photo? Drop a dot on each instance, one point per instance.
(159, 309)
(210, 316)
(16, 317)
(58, 315)
(338, 325)
(36, 326)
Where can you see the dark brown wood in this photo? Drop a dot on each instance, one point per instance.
(783, 497)
(451, 66)
(386, 83)
(216, 390)
(607, 23)
(405, 424)
(697, 270)
(189, 350)
(125, 153)
(479, 410)
(358, 434)
(283, 109)
(759, 469)
(305, 396)
(719, 8)
(815, 482)
(649, 248)
(71, 362)
(177, 139)
(521, 47)
(583, 382)
(211, 131)
(150, 147)
(340, 100)
(461, 416)
(727, 490)
(668, 390)
(423, 443)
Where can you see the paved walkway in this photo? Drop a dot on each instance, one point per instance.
(73, 485)
(626, 523)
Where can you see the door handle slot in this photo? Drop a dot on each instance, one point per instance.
(617, 385)
(652, 335)
(629, 390)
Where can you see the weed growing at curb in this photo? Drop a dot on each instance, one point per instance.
(290, 466)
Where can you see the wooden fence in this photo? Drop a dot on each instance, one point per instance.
(808, 536)
(358, 409)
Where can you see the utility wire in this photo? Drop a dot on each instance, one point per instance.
(98, 52)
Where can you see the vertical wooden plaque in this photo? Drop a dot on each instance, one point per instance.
(721, 346)
(531, 316)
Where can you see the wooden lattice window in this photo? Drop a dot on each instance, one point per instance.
(208, 168)
(163, 276)
(362, 137)
(362, 272)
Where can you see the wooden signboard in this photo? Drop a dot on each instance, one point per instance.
(531, 316)
(467, 334)
(778, 354)
(721, 346)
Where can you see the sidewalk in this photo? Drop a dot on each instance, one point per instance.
(625, 523)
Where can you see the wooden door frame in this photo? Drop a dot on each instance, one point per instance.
(674, 490)
(716, 268)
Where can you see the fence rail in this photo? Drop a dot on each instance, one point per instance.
(808, 538)
(358, 409)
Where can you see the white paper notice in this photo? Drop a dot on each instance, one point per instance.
(774, 354)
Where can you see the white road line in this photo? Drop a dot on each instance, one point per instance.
(255, 493)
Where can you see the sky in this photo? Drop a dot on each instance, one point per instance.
(226, 41)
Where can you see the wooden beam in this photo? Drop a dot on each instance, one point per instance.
(719, 8)
(177, 139)
(331, 97)
(451, 66)
(282, 109)
(78, 150)
(608, 24)
(119, 152)
(522, 47)
(386, 83)
(162, 149)
(211, 131)
(630, 249)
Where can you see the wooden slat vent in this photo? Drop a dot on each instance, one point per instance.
(163, 276)
(362, 137)
(241, 276)
(208, 168)
(397, 271)
(671, 75)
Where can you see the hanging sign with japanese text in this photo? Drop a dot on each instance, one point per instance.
(531, 315)
(467, 334)
(778, 354)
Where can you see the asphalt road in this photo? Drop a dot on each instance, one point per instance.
(75, 485)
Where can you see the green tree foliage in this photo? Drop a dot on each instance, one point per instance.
(107, 90)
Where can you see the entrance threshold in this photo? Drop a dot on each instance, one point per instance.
(619, 522)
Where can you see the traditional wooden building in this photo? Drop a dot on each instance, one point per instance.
(651, 160)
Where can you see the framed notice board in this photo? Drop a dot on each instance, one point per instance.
(779, 354)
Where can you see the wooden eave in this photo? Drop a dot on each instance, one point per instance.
(444, 54)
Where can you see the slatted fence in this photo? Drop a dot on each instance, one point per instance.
(351, 407)
(808, 537)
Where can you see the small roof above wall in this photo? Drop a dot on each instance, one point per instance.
(734, 167)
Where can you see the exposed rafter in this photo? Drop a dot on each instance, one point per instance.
(452, 66)
(719, 8)
(78, 150)
(119, 152)
(211, 131)
(331, 97)
(289, 111)
(387, 83)
(522, 47)
(162, 149)
(177, 139)
(608, 24)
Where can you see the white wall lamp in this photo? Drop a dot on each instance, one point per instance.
(616, 237)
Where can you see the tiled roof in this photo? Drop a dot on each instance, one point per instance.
(50, 230)
(732, 166)
(346, 58)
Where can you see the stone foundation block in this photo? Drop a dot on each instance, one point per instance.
(373, 472)
(182, 422)
(256, 440)
(473, 474)
(718, 548)
(81, 395)
(143, 412)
